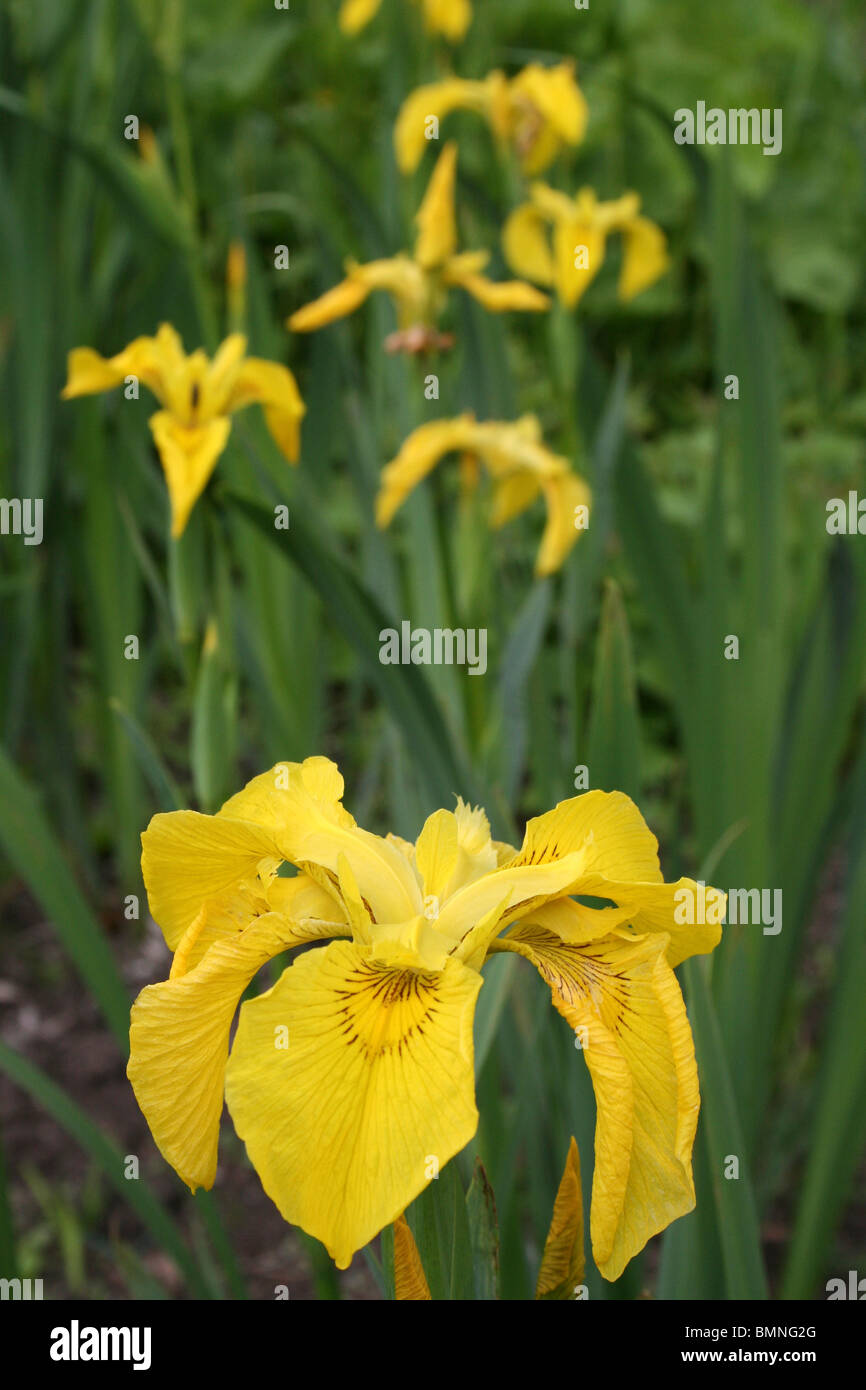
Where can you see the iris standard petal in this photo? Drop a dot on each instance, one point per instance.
(188, 858)
(436, 218)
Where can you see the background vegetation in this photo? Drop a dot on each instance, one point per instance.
(274, 129)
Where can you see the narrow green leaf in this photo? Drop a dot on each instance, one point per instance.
(109, 1158)
(35, 854)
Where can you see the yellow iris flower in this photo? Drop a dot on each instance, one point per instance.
(448, 17)
(198, 396)
(351, 1080)
(419, 283)
(520, 465)
(560, 241)
(537, 112)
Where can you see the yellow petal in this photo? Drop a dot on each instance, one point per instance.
(436, 220)
(274, 386)
(563, 494)
(549, 110)
(436, 852)
(563, 1261)
(179, 1042)
(525, 245)
(437, 99)
(335, 304)
(419, 455)
(645, 258)
(498, 296)
(188, 457)
(188, 858)
(264, 801)
(356, 14)
(410, 1281)
(152, 360)
(219, 919)
(513, 494)
(219, 377)
(638, 1047)
(666, 907)
(374, 1094)
(557, 97)
(606, 827)
(297, 804)
(579, 254)
(87, 372)
(448, 17)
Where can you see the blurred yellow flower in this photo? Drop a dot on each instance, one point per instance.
(351, 1080)
(448, 17)
(561, 241)
(197, 395)
(519, 464)
(537, 112)
(419, 283)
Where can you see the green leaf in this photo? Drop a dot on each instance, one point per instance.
(109, 1158)
(483, 1234)
(737, 1217)
(361, 619)
(614, 733)
(35, 854)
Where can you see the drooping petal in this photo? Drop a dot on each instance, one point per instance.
(526, 247)
(563, 1261)
(410, 1281)
(188, 457)
(374, 1094)
(356, 14)
(564, 851)
(179, 1042)
(688, 913)
(436, 99)
(635, 1037)
(645, 258)
(419, 455)
(497, 296)
(152, 360)
(513, 494)
(313, 912)
(579, 248)
(563, 493)
(274, 387)
(334, 304)
(436, 218)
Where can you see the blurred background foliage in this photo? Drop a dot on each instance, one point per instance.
(269, 128)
